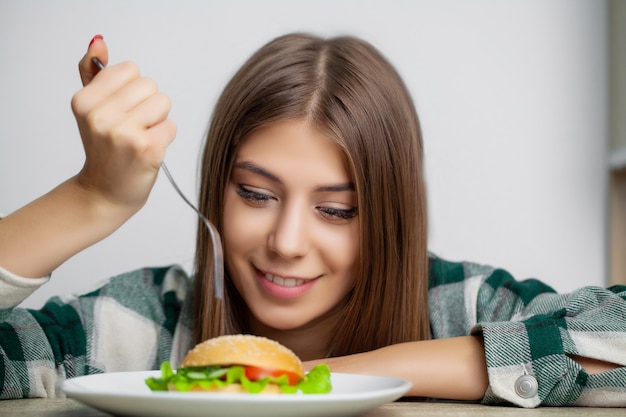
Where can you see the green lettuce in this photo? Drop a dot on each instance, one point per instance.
(316, 381)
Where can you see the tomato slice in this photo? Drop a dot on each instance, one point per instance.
(254, 373)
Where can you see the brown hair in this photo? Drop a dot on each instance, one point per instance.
(349, 91)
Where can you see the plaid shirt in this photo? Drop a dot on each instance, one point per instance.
(137, 320)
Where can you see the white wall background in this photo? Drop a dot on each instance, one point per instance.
(512, 97)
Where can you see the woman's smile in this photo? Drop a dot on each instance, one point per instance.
(284, 287)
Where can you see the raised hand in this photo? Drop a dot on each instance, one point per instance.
(122, 119)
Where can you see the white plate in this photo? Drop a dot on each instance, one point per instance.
(126, 394)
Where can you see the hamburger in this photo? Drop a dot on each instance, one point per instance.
(242, 364)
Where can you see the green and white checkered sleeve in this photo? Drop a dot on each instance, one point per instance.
(530, 333)
(129, 323)
(529, 356)
(38, 348)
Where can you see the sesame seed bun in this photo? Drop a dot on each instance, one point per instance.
(246, 350)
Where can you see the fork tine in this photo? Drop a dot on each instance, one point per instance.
(218, 260)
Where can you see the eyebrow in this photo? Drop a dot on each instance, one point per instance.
(249, 166)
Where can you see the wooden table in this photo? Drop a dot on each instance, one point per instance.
(71, 408)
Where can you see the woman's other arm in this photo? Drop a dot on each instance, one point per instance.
(451, 368)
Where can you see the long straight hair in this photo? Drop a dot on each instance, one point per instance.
(350, 92)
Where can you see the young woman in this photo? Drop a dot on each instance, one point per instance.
(312, 171)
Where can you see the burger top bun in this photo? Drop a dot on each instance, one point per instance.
(246, 350)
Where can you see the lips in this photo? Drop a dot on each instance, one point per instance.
(284, 282)
(282, 287)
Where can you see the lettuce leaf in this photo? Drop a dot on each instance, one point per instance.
(317, 381)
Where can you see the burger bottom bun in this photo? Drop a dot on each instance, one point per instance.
(231, 388)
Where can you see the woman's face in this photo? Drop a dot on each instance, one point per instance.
(290, 226)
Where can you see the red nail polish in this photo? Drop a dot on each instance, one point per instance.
(94, 39)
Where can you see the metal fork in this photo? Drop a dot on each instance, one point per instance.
(218, 254)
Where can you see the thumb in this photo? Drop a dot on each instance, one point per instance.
(86, 67)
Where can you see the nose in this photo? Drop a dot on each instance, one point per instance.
(290, 237)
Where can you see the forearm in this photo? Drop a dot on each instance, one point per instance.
(452, 368)
(42, 235)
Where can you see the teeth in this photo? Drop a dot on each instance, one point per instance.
(284, 282)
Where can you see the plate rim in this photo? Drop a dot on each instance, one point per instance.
(71, 388)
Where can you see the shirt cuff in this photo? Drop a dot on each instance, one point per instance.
(15, 289)
(527, 363)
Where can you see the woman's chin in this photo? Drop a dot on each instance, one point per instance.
(284, 323)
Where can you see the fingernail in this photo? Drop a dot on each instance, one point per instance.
(94, 39)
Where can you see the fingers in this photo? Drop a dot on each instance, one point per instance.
(160, 136)
(116, 91)
(130, 95)
(126, 118)
(144, 129)
(87, 69)
(118, 98)
(151, 111)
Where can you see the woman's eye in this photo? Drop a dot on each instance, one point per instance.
(338, 214)
(253, 197)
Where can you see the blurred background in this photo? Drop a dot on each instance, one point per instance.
(513, 98)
